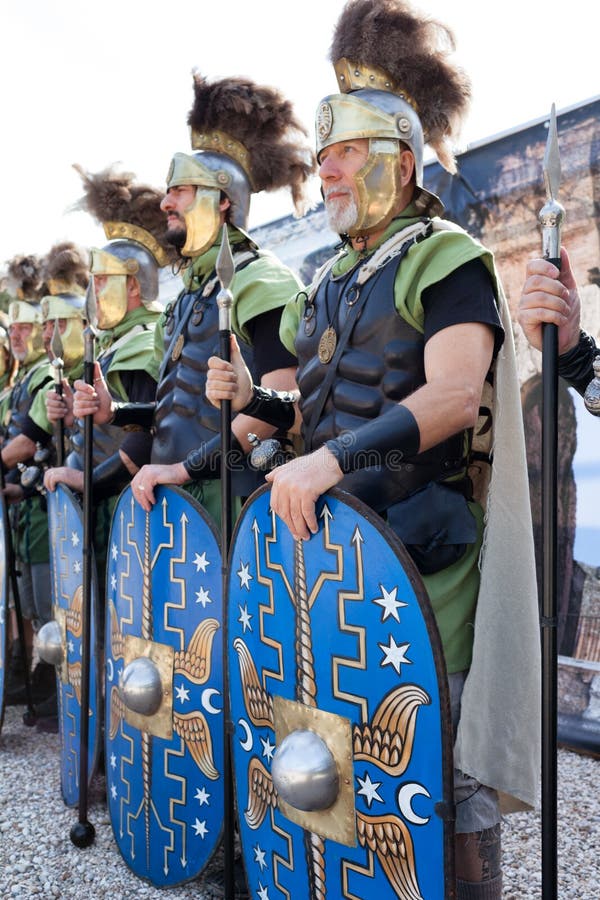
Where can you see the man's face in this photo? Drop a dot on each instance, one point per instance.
(338, 164)
(19, 334)
(48, 331)
(176, 201)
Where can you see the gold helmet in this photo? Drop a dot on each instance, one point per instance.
(245, 139)
(66, 276)
(134, 223)
(398, 87)
(23, 281)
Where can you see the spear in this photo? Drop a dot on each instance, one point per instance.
(225, 272)
(56, 346)
(83, 832)
(551, 217)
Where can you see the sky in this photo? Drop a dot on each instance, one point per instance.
(111, 82)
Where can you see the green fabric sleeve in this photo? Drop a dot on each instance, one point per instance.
(429, 262)
(261, 286)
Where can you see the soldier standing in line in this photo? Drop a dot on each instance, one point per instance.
(390, 391)
(244, 140)
(126, 285)
(30, 540)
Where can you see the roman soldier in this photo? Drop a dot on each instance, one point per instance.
(398, 339)
(245, 139)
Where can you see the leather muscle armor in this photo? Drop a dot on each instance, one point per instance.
(21, 399)
(184, 419)
(382, 364)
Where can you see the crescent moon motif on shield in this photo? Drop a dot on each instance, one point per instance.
(405, 796)
(246, 744)
(206, 704)
(110, 672)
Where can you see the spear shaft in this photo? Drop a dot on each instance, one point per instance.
(551, 217)
(225, 271)
(83, 832)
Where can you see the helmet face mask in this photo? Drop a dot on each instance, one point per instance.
(67, 308)
(212, 175)
(390, 124)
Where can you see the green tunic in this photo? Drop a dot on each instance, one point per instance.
(31, 544)
(453, 591)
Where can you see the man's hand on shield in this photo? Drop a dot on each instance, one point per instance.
(229, 380)
(296, 487)
(146, 479)
(72, 478)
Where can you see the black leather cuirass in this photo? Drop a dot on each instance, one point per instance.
(184, 419)
(21, 400)
(383, 362)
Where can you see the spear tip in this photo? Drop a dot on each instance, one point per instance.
(552, 171)
(225, 268)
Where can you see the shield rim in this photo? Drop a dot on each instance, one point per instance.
(197, 877)
(93, 763)
(411, 571)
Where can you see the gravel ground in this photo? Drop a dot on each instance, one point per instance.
(37, 858)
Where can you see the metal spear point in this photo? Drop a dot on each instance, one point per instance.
(225, 272)
(552, 213)
(56, 347)
(83, 832)
(551, 217)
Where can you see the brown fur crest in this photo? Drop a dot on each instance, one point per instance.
(113, 196)
(414, 49)
(261, 119)
(67, 263)
(23, 278)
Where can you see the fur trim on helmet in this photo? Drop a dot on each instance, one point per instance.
(413, 49)
(112, 196)
(66, 267)
(263, 121)
(23, 278)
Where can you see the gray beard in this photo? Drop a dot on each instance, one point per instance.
(341, 214)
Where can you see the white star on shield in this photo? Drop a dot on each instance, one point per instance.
(244, 575)
(74, 538)
(244, 618)
(368, 789)
(259, 857)
(389, 603)
(201, 562)
(200, 828)
(395, 654)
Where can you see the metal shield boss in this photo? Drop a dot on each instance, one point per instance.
(61, 639)
(164, 686)
(4, 617)
(342, 746)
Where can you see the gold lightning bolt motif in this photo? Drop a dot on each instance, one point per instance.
(387, 741)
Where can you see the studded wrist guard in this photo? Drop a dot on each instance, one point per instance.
(275, 407)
